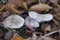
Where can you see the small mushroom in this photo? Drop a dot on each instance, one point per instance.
(31, 23)
(13, 21)
(40, 17)
(33, 14)
(47, 17)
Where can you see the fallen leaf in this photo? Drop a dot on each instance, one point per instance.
(5, 14)
(40, 7)
(55, 22)
(18, 3)
(45, 27)
(48, 28)
(43, 1)
(56, 10)
(24, 5)
(34, 37)
(57, 16)
(11, 7)
(9, 35)
(17, 37)
(30, 1)
(55, 2)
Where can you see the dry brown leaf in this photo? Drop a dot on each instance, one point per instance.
(43, 1)
(16, 2)
(17, 37)
(43, 27)
(40, 7)
(5, 14)
(56, 22)
(57, 10)
(57, 16)
(24, 5)
(19, 3)
(11, 7)
(55, 2)
(30, 1)
(48, 28)
(34, 37)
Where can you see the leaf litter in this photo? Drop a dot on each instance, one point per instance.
(30, 19)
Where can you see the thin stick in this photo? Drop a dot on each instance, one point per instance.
(3, 26)
(51, 33)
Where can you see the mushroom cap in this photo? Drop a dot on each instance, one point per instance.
(47, 17)
(40, 17)
(33, 14)
(13, 21)
(31, 23)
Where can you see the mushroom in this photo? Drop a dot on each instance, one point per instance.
(13, 21)
(40, 17)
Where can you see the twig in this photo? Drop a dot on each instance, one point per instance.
(1, 24)
(51, 33)
(42, 37)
